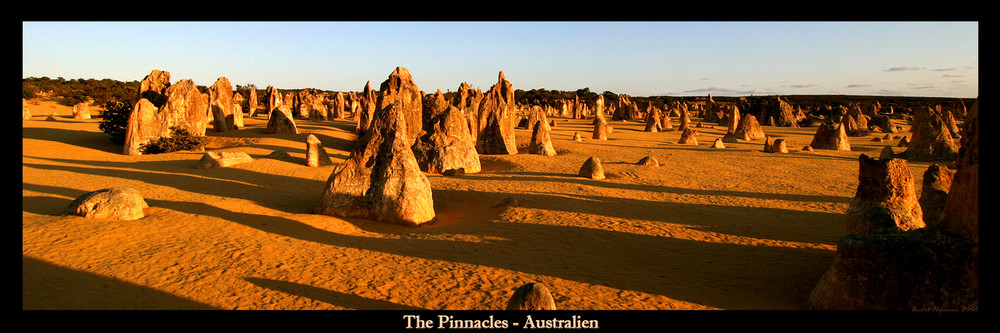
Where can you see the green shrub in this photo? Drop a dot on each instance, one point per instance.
(114, 120)
(179, 140)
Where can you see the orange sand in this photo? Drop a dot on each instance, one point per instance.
(734, 228)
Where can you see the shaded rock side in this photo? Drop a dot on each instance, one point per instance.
(829, 137)
(186, 107)
(961, 211)
(447, 144)
(886, 198)
(281, 122)
(541, 141)
(400, 89)
(118, 203)
(315, 153)
(592, 168)
(934, 192)
(497, 120)
(918, 270)
(381, 179)
(931, 139)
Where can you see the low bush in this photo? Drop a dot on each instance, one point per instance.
(179, 140)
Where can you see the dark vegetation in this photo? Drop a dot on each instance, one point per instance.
(114, 120)
(105, 91)
(178, 140)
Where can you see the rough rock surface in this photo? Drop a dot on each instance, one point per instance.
(689, 137)
(381, 179)
(119, 203)
(315, 153)
(749, 129)
(225, 159)
(648, 161)
(531, 296)
(154, 86)
(592, 168)
(934, 192)
(886, 198)
(931, 139)
(144, 125)
(400, 90)
(496, 118)
(541, 141)
(185, 107)
(281, 122)
(961, 211)
(220, 97)
(447, 144)
(830, 136)
(600, 129)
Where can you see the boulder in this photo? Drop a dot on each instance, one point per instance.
(315, 153)
(749, 129)
(829, 137)
(81, 110)
(689, 137)
(886, 153)
(281, 122)
(185, 107)
(592, 169)
(886, 198)
(648, 161)
(211, 160)
(931, 139)
(718, 143)
(381, 179)
(576, 137)
(531, 296)
(118, 203)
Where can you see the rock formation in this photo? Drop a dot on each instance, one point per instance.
(186, 107)
(718, 143)
(447, 143)
(496, 120)
(144, 125)
(600, 129)
(592, 169)
(531, 296)
(749, 129)
(931, 139)
(366, 109)
(934, 268)
(212, 160)
(400, 90)
(154, 86)
(648, 161)
(829, 137)
(118, 203)
(541, 141)
(25, 112)
(689, 137)
(281, 122)
(934, 193)
(315, 153)
(778, 112)
(82, 110)
(886, 198)
(220, 98)
(381, 179)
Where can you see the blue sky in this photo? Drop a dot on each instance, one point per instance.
(939, 59)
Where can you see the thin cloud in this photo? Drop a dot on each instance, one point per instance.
(953, 75)
(929, 86)
(858, 85)
(803, 85)
(902, 68)
(943, 69)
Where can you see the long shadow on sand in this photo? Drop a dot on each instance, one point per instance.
(719, 275)
(85, 139)
(328, 296)
(566, 178)
(45, 286)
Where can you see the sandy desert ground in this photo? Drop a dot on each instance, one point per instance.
(731, 229)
